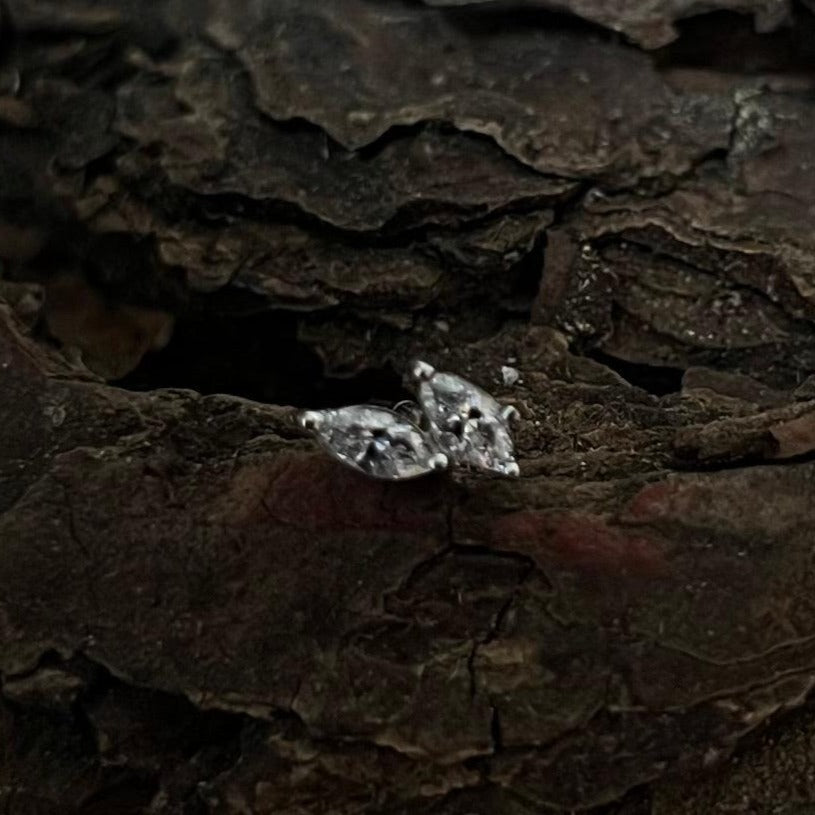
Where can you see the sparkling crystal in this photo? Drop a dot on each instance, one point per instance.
(375, 441)
(466, 422)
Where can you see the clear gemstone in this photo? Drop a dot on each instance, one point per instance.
(466, 421)
(375, 441)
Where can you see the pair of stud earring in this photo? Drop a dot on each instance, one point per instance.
(454, 423)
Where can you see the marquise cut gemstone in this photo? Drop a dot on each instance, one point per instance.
(466, 421)
(375, 441)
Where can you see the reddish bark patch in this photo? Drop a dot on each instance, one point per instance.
(582, 542)
(311, 492)
(662, 501)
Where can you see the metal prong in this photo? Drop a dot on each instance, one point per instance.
(409, 409)
(509, 413)
(406, 407)
(422, 371)
(439, 461)
(311, 420)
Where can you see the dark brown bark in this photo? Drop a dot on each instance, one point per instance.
(211, 216)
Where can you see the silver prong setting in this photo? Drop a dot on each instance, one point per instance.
(311, 420)
(422, 371)
(470, 425)
(439, 461)
(511, 414)
(453, 423)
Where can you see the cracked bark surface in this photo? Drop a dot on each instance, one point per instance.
(208, 220)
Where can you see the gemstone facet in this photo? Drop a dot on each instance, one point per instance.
(466, 422)
(454, 423)
(376, 441)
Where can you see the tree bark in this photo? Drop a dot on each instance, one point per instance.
(212, 216)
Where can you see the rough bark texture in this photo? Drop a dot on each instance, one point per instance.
(212, 216)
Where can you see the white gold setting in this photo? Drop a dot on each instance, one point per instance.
(455, 423)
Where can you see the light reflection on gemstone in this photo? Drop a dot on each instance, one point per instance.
(466, 421)
(454, 423)
(375, 441)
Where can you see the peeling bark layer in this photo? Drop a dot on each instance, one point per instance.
(208, 220)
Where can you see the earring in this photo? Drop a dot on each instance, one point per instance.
(454, 423)
(375, 441)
